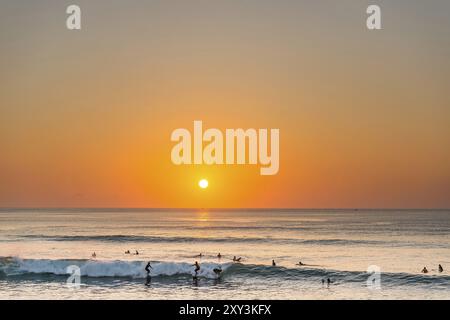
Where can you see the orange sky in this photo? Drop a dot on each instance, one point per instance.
(86, 116)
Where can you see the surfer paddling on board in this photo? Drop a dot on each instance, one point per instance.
(301, 264)
(237, 259)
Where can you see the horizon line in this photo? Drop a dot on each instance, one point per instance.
(220, 208)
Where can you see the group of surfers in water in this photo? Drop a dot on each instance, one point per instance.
(94, 255)
(219, 270)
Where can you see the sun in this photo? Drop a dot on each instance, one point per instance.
(203, 183)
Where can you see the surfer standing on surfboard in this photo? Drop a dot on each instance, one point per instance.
(147, 268)
(197, 268)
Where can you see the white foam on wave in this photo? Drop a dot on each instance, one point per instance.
(116, 268)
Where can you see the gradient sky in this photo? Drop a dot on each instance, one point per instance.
(86, 116)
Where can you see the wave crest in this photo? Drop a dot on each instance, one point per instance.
(17, 267)
(94, 268)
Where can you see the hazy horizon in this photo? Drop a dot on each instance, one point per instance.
(225, 208)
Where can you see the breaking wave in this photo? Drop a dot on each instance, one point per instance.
(15, 267)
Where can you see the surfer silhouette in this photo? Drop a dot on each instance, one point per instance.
(217, 271)
(440, 268)
(197, 269)
(424, 270)
(148, 267)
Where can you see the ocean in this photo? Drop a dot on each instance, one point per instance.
(366, 254)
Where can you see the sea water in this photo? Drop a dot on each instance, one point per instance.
(38, 245)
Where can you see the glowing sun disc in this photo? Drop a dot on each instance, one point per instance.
(203, 183)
